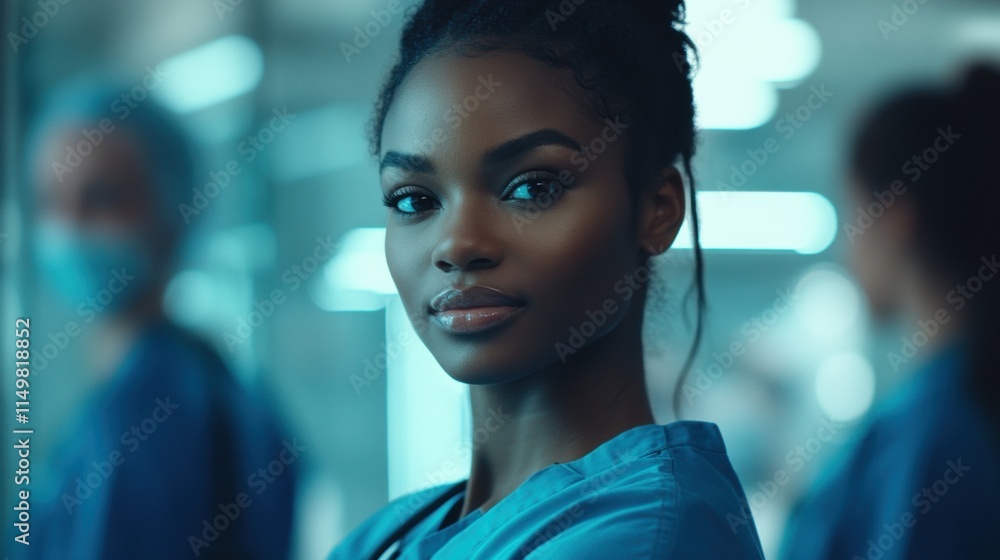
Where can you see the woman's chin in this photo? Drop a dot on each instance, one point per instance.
(487, 373)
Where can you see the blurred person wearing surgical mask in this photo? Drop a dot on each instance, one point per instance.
(923, 478)
(174, 440)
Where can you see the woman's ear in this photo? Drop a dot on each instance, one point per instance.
(661, 211)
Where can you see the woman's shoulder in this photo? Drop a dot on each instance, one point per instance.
(682, 462)
(674, 494)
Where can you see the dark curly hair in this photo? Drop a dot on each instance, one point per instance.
(630, 58)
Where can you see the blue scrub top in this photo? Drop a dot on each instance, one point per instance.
(653, 491)
(922, 481)
(200, 442)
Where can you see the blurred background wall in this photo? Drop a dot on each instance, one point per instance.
(277, 95)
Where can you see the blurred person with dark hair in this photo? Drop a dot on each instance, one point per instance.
(170, 440)
(923, 480)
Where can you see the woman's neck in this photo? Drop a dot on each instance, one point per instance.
(556, 415)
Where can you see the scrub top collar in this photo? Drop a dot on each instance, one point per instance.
(617, 455)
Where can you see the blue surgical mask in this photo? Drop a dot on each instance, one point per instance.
(113, 268)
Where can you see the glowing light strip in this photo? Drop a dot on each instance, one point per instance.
(210, 74)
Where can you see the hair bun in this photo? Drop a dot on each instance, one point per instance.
(669, 12)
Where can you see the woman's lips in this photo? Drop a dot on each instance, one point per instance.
(473, 309)
(475, 319)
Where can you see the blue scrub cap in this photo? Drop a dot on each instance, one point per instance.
(163, 140)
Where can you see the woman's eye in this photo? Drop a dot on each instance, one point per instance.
(414, 203)
(534, 188)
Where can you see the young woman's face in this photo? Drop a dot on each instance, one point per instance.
(498, 178)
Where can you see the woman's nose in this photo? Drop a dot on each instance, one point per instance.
(470, 238)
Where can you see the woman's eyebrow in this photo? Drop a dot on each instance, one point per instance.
(515, 148)
(406, 162)
(509, 150)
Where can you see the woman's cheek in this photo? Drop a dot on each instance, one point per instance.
(403, 258)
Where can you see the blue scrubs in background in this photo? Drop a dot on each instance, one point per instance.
(923, 481)
(171, 438)
(653, 491)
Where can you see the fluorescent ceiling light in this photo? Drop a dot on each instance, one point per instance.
(803, 222)
(718, 108)
(746, 50)
(979, 32)
(211, 73)
(789, 50)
